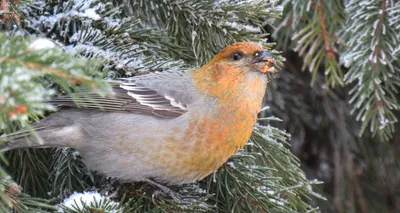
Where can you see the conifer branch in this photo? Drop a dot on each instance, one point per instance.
(153, 35)
(48, 69)
(325, 34)
(378, 30)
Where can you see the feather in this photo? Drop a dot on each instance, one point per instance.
(163, 94)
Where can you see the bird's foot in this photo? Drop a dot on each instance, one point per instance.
(164, 189)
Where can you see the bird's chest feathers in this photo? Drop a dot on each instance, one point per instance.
(217, 136)
(229, 126)
(236, 100)
(215, 131)
(226, 126)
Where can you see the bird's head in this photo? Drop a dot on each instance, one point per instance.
(238, 69)
(246, 56)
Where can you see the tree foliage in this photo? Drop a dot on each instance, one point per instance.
(344, 135)
(94, 40)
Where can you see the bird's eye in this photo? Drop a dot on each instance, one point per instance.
(237, 56)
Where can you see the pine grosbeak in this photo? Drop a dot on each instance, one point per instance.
(173, 126)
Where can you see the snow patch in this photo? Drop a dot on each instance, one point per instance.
(91, 13)
(80, 200)
(42, 44)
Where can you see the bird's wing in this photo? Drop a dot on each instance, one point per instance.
(165, 94)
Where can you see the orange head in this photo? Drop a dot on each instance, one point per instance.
(248, 55)
(237, 70)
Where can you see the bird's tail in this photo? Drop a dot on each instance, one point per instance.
(21, 139)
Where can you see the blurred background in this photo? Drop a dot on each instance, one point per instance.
(338, 98)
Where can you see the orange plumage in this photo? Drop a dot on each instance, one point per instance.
(174, 127)
(218, 132)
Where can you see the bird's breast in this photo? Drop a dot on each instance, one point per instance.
(209, 140)
(206, 137)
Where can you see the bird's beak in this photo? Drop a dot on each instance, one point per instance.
(266, 60)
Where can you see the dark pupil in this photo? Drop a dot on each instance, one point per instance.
(237, 56)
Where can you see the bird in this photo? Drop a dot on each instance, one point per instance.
(172, 127)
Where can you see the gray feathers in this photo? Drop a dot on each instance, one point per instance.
(165, 94)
